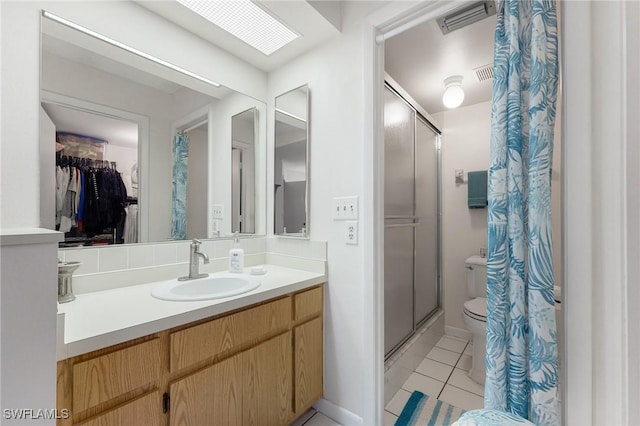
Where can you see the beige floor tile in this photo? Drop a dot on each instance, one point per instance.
(321, 420)
(397, 403)
(461, 398)
(444, 356)
(304, 418)
(464, 363)
(469, 349)
(435, 369)
(461, 380)
(389, 419)
(452, 344)
(424, 384)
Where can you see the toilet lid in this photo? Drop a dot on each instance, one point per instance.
(476, 308)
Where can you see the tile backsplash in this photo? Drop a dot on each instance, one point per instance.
(116, 266)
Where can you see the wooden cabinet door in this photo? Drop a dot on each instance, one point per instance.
(308, 364)
(209, 397)
(267, 383)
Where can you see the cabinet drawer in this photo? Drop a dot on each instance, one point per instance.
(144, 411)
(203, 341)
(108, 376)
(308, 303)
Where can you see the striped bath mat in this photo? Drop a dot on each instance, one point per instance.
(424, 410)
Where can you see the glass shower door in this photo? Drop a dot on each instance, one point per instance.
(399, 135)
(411, 220)
(426, 234)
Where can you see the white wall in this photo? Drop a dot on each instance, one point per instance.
(336, 146)
(465, 145)
(28, 318)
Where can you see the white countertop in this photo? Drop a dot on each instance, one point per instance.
(105, 318)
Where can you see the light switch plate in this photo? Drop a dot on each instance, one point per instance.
(345, 208)
(351, 232)
(217, 211)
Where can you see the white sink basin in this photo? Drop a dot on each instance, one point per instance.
(215, 286)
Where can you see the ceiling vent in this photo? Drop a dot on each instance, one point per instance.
(484, 73)
(467, 15)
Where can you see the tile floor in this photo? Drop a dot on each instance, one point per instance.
(314, 418)
(443, 374)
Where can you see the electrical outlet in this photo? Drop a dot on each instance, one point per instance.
(345, 208)
(217, 211)
(351, 232)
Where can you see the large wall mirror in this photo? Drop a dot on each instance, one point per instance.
(145, 152)
(291, 168)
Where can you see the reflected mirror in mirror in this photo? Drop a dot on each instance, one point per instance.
(243, 134)
(151, 149)
(291, 168)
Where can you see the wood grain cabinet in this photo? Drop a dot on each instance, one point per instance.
(260, 365)
(209, 397)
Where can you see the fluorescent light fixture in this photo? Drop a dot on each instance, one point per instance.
(246, 21)
(453, 93)
(123, 46)
(288, 114)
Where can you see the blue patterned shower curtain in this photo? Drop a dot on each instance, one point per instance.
(522, 360)
(179, 192)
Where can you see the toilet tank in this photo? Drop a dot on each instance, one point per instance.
(476, 276)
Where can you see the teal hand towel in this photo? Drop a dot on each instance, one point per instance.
(477, 186)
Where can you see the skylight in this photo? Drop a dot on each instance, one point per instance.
(245, 20)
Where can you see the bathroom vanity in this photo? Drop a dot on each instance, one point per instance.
(255, 359)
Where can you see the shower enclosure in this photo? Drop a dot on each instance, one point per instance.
(412, 220)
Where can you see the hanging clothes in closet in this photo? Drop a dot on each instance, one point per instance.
(90, 201)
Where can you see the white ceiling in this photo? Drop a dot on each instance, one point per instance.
(421, 58)
(96, 60)
(116, 132)
(301, 16)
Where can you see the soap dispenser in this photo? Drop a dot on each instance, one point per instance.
(236, 256)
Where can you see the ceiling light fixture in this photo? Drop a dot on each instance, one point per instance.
(453, 93)
(246, 21)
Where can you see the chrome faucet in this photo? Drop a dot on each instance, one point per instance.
(194, 261)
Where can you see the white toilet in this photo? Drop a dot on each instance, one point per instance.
(474, 314)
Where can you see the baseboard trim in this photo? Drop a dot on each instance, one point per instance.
(457, 332)
(337, 413)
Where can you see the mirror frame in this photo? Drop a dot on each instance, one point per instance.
(305, 234)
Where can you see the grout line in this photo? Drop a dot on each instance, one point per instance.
(466, 390)
(452, 370)
(309, 419)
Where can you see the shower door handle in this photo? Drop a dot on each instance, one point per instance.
(403, 225)
(402, 217)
